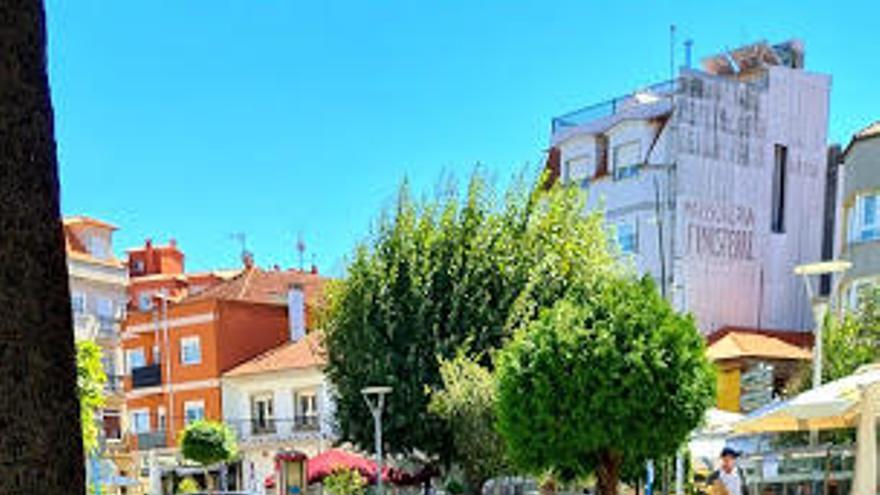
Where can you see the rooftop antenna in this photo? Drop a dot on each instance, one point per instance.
(301, 249)
(241, 239)
(671, 52)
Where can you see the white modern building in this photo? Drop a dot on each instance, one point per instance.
(280, 401)
(714, 182)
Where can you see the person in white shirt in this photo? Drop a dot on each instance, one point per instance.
(729, 478)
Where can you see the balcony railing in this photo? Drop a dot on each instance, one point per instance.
(151, 440)
(146, 376)
(610, 107)
(306, 423)
(264, 427)
(277, 428)
(108, 327)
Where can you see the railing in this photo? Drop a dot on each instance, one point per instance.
(146, 376)
(108, 327)
(610, 107)
(264, 427)
(276, 428)
(307, 423)
(151, 440)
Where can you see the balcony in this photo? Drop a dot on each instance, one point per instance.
(306, 424)
(146, 376)
(270, 430)
(151, 440)
(108, 327)
(264, 427)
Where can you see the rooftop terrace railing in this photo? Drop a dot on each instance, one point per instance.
(611, 107)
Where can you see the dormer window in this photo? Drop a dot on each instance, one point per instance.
(97, 246)
(137, 267)
(627, 159)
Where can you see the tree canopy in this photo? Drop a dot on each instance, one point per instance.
(467, 403)
(90, 380)
(208, 443)
(854, 340)
(439, 275)
(610, 374)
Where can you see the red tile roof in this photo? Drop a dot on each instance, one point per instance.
(737, 345)
(306, 353)
(265, 286)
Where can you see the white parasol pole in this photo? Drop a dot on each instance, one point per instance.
(865, 479)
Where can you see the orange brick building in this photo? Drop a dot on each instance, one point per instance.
(177, 350)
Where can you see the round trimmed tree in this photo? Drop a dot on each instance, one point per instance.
(208, 443)
(608, 375)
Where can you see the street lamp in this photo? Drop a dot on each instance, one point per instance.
(376, 409)
(820, 305)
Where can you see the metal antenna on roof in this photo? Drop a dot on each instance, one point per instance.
(301, 249)
(671, 51)
(241, 238)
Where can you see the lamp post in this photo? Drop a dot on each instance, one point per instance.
(376, 409)
(820, 305)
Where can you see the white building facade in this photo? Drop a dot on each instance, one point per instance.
(714, 182)
(280, 401)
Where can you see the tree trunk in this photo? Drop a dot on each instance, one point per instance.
(40, 438)
(608, 473)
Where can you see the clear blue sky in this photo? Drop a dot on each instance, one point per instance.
(195, 119)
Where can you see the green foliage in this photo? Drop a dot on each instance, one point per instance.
(90, 380)
(188, 485)
(440, 275)
(208, 443)
(344, 481)
(854, 340)
(609, 376)
(467, 403)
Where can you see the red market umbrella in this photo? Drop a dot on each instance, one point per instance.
(323, 465)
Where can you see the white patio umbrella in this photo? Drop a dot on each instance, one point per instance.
(853, 401)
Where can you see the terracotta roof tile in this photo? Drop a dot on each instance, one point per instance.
(265, 286)
(306, 353)
(798, 338)
(737, 345)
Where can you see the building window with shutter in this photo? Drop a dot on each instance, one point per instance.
(863, 223)
(626, 159)
(262, 414)
(190, 350)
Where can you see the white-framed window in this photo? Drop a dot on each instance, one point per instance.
(262, 412)
(626, 159)
(864, 219)
(307, 403)
(135, 358)
(145, 301)
(104, 307)
(97, 246)
(193, 410)
(576, 169)
(161, 419)
(140, 420)
(190, 350)
(627, 234)
(78, 302)
(111, 420)
(137, 266)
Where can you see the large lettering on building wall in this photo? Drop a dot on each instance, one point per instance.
(721, 231)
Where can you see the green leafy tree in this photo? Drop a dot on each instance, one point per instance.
(439, 275)
(609, 376)
(188, 485)
(854, 340)
(344, 481)
(208, 443)
(90, 389)
(467, 403)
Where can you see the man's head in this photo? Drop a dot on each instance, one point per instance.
(728, 458)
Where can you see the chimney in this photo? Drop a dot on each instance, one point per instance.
(247, 259)
(296, 312)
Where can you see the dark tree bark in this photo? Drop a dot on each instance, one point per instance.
(40, 436)
(608, 473)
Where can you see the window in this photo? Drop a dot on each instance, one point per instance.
(112, 425)
(306, 403)
(135, 358)
(627, 159)
(162, 422)
(140, 421)
(627, 238)
(190, 350)
(137, 267)
(97, 246)
(777, 212)
(864, 219)
(104, 307)
(262, 413)
(145, 301)
(576, 169)
(193, 411)
(78, 302)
